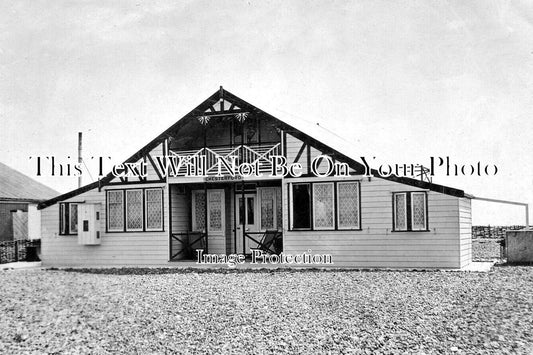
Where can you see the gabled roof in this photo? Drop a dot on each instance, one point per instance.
(15, 186)
(212, 101)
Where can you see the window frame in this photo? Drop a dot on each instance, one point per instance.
(291, 206)
(109, 230)
(194, 226)
(212, 192)
(409, 211)
(333, 207)
(162, 222)
(144, 214)
(143, 226)
(347, 228)
(290, 212)
(277, 203)
(64, 218)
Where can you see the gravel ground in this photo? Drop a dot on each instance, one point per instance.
(485, 250)
(347, 312)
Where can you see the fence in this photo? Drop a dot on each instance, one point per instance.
(18, 250)
(497, 232)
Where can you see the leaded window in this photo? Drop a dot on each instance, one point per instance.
(268, 198)
(115, 210)
(323, 213)
(198, 211)
(400, 212)
(348, 205)
(134, 210)
(418, 210)
(324, 205)
(410, 211)
(215, 210)
(154, 209)
(68, 218)
(73, 218)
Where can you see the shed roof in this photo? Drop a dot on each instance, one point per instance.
(15, 186)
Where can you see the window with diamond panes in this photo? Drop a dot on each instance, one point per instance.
(323, 206)
(115, 213)
(267, 208)
(400, 212)
(73, 223)
(199, 211)
(410, 211)
(134, 210)
(154, 209)
(418, 211)
(348, 205)
(215, 211)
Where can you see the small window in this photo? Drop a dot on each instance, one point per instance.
(134, 210)
(301, 206)
(68, 218)
(215, 210)
(410, 211)
(154, 209)
(348, 205)
(73, 218)
(115, 210)
(323, 213)
(198, 211)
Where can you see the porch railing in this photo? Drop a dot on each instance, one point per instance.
(183, 245)
(251, 154)
(256, 238)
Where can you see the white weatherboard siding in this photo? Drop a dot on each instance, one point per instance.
(34, 221)
(465, 230)
(133, 248)
(376, 245)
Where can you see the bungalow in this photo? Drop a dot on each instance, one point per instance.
(226, 174)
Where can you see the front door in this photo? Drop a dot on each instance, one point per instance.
(247, 222)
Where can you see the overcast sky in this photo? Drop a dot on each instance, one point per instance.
(399, 80)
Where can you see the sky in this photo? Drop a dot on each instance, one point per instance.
(401, 81)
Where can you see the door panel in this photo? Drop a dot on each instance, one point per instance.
(246, 221)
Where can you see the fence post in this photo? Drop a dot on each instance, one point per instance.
(16, 250)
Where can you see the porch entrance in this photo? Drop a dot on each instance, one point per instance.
(256, 212)
(246, 213)
(221, 218)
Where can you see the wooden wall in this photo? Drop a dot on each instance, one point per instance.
(376, 245)
(446, 245)
(465, 231)
(117, 249)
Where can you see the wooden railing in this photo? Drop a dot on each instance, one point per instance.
(251, 154)
(183, 245)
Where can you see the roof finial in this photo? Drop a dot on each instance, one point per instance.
(221, 93)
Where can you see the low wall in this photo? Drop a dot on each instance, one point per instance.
(519, 246)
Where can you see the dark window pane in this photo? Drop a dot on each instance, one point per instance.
(241, 211)
(301, 206)
(250, 209)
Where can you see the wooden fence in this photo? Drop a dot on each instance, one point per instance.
(18, 250)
